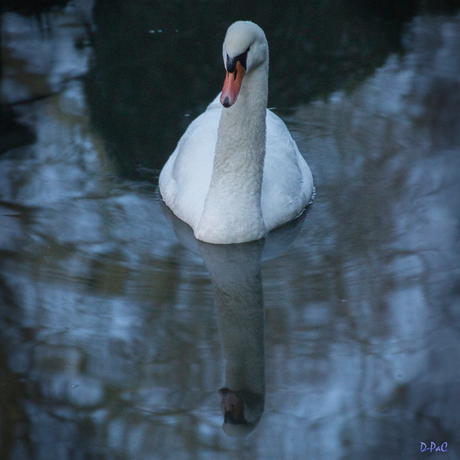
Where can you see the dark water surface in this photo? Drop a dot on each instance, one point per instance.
(341, 333)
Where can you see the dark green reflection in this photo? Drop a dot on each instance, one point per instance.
(158, 64)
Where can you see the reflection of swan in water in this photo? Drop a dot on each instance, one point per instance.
(236, 277)
(235, 274)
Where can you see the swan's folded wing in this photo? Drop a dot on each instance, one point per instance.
(287, 183)
(184, 180)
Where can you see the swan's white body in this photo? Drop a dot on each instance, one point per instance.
(237, 173)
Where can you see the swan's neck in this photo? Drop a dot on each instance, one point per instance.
(232, 211)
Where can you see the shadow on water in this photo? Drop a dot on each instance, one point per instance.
(339, 338)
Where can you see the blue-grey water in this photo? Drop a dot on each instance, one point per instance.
(341, 333)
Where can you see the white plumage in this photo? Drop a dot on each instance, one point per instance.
(237, 173)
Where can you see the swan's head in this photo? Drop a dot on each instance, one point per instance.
(245, 48)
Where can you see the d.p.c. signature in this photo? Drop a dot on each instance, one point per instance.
(433, 447)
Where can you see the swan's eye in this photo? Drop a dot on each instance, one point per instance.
(231, 62)
(242, 58)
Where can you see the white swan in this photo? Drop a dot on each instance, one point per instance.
(237, 173)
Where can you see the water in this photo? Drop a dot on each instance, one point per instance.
(118, 329)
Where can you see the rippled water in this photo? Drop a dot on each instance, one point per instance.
(340, 332)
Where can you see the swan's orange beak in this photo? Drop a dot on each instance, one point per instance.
(232, 86)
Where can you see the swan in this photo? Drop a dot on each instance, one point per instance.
(236, 173)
